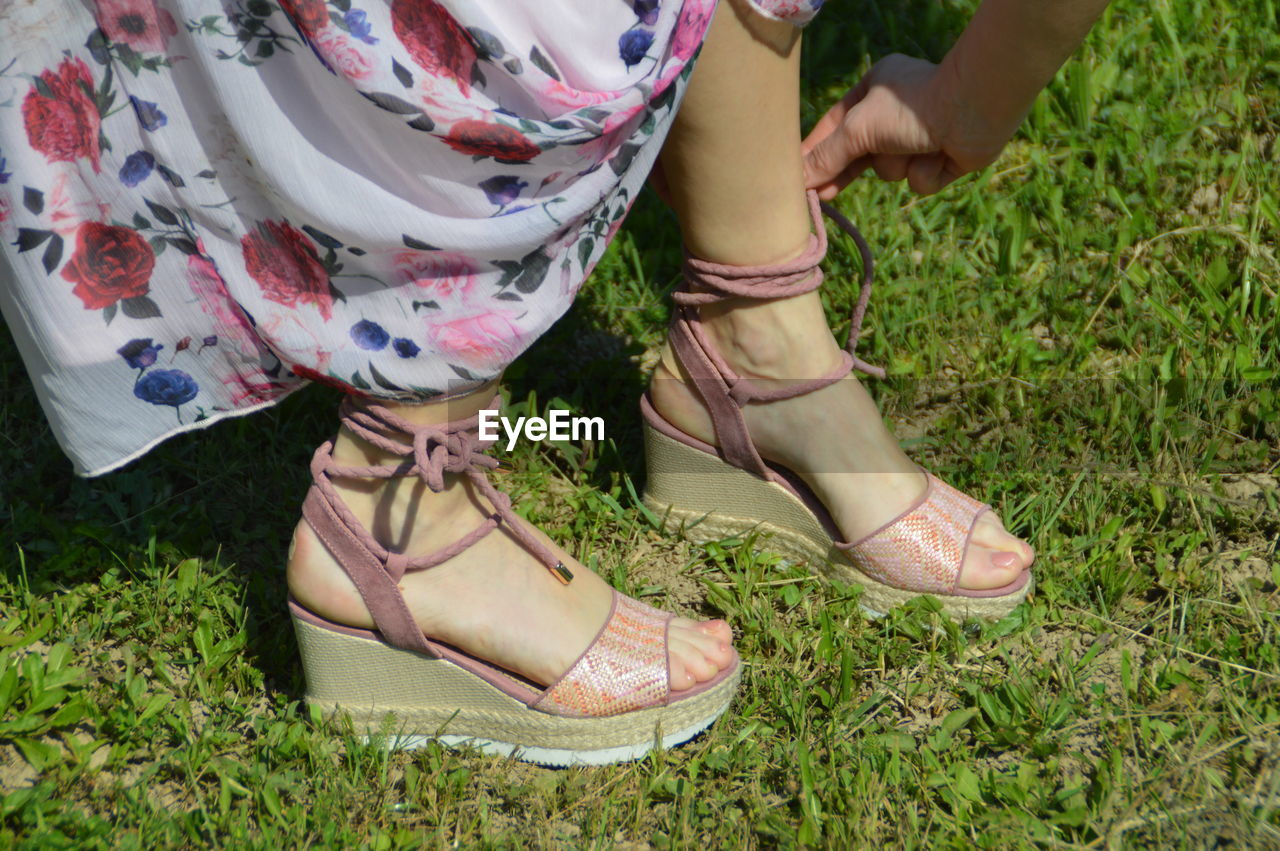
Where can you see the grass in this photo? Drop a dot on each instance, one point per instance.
(1083, 335)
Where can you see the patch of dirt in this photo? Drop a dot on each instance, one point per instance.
(15, 771)
(170, 797)
(1251, 487)
(1204, 200)
(664, 562)
(1247, 572)
(1067, 646)
(1103, 669)
(1044, 336)
(1205, 826)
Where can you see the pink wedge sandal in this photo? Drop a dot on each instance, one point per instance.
(714, 492)
(614, 703)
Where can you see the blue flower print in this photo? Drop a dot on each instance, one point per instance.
(633, 45)
(503, 189)
(140, 353)
(370, 335)
(358, 24)
(171, 387)
(646, 11)
(137, 168)
(149, 114)
(405, 348)
(4, 175)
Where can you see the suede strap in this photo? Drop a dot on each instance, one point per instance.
(429, 453)
(724, 392)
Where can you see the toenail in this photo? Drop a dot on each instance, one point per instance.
(1004, 559)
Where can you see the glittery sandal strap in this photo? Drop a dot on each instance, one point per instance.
(923, 548)
(625, 668)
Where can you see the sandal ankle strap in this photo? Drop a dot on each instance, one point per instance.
(720, 281)
(721, 388)
(453, 447)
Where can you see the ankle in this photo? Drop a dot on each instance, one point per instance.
(778, 339)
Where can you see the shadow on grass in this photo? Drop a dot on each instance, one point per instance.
(230, 495)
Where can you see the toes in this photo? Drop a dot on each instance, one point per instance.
(995, 557)
(697, 652)
(680, 678)
(991, 534)
(696, 664)
(717, 629)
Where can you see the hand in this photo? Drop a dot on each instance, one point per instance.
(903, 121)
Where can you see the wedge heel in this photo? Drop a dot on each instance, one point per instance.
(704, 499)
(614, 703)
(701, 498)
(414, 698)
(728, 490)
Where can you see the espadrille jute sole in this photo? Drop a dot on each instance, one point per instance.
(415, 699)
(702, 498)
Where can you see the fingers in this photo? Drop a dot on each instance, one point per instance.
(891, 167)
(924, 174)
(841, 153)
(929, 173)
(830, 148)
(835, 116)
(830, 189)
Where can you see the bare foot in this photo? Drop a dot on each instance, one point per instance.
(494, 600)
(834, 438)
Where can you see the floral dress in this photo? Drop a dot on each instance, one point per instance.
(205, 204)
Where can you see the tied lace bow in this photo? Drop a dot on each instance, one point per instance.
(433, 451)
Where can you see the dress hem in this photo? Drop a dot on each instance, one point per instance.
(199, 425)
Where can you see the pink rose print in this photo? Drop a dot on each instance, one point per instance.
(215, 301)
(137, 23)
(692, 26)
(62, 123)
(556, 93)
(483, 342)
(284, 263)
(252, 389)
(70, 203)
(336, 48)
(442, 274)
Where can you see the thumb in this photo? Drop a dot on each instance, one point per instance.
(828, 159)
(924, 174)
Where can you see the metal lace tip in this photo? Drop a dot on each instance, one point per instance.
(562, 573)
(505, 466)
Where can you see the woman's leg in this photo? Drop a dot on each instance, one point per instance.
(733, 169)
(494, 600)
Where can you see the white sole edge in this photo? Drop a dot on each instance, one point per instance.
(558, 757)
